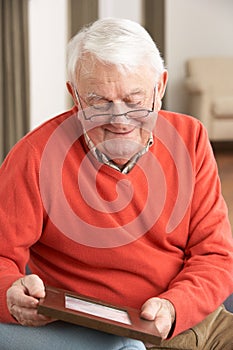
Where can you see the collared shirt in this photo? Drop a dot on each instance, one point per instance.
(103, 158)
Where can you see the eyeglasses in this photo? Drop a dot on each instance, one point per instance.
(101, 112)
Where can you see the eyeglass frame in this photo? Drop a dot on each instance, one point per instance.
(112, 115)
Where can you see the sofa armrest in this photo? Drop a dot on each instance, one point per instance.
(194, 86)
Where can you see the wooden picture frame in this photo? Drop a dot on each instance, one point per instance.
(92, 313)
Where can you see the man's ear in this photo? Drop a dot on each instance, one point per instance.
(70, 88)
(162, 84)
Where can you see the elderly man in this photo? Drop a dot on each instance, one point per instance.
(118, 200)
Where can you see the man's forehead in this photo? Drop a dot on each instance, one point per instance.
(103, 80)
(102, 83)
(91, 69)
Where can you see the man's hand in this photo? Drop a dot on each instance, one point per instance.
(162, 312)
(22, 301)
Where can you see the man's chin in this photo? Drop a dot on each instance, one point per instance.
(121, 151)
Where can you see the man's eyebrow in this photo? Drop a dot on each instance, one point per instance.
(93, 95)
(136, 92)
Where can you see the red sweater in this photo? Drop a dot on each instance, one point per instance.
(164, 234)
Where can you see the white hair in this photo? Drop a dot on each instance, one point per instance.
(121, 42)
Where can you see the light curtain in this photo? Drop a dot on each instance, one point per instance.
(14, 73)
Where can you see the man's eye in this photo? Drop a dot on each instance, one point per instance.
(103, 107)
(134, 104)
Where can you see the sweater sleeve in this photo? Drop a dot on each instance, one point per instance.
(206, 279)
(20, 216)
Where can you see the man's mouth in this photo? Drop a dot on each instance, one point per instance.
(119, 133)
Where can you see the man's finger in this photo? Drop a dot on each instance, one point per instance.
(150, 309)
(33, 286)
(162, 312)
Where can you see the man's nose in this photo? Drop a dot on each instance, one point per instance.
(120, 119)
(119, 113)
